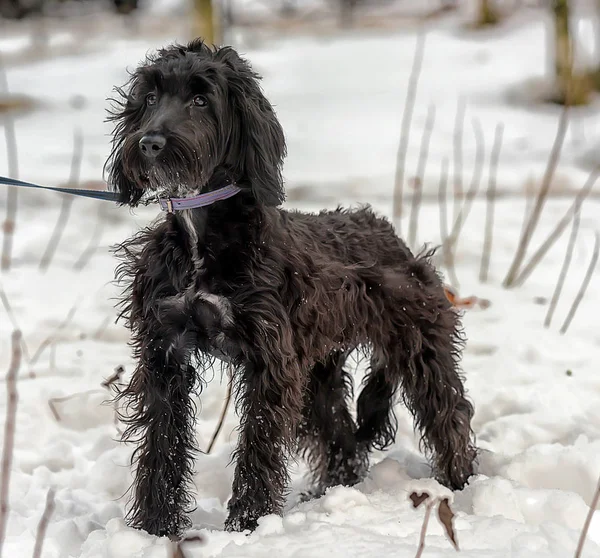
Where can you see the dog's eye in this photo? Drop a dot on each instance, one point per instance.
(199, 101)
(151, 99)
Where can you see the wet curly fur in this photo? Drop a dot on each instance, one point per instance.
(284, 296)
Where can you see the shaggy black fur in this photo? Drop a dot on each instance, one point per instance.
(284, 296)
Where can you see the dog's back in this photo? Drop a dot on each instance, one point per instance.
(354, 236)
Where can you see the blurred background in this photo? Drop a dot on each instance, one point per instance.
(472, 124)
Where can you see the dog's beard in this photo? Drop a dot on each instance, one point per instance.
(180, 172)
(163, 182)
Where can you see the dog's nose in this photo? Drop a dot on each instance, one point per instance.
(152, 144)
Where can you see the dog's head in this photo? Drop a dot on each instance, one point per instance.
(191, 119)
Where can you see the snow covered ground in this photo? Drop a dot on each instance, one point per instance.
(340, 98)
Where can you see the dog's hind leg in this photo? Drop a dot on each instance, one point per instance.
(421, 360)
(327, 435)
(160, 420)
(374, 408)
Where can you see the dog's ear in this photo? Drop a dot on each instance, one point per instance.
(118, 182)
(257, 139)
(125, 116)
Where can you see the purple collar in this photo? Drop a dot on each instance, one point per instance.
(171, 205)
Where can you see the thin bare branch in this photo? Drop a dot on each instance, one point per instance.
(421, 548)
(459, 126)
(526, 211)
(447, 255)
(102, 328)
(52, 337)
(9, 433)
(59, 228)
(584, 286)
(588, 521)
(473, 186)
(94, 243)
(52, 402)
(13, 320)
(534, 217)
(66, 204)
(12, 153)
(106, 384)
(222, 417)
(52, 357)
(420, 177)
(489, 206)
(443, 201)
(539, 254)
(563, 271)
(114, 378)
(411, 93)
(43, 524)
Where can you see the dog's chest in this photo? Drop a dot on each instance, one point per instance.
(213, 312)
(213, 315)
(221, 305)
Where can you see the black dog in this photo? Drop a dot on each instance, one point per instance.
(284, 296)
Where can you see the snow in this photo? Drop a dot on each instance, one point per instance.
(340, 97)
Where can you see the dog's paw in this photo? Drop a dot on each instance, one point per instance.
(239, 522)
(310, 494)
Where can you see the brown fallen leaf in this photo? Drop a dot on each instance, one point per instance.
(446, 517)
(418, 499)
(464, 303)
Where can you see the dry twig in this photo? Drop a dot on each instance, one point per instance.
(539, 254)
(490, 201)
(106, 384)
(67, 202)
(465, 209)
(421, 166)
(115, 377)
(588, 520)
(459, 125)
(52, 357)
(94, 243)
(443, 205)
(421, 548)
(411, 94)
(9, 433)
(13, 320)
(102, 328)
(10, 222)
(222, 417)
(43, 524)
(52, 337)
(563, 271)
(534, 217)
(445, 515)
(584, 286)
(54, 400)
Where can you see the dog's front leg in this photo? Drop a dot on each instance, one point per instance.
(160, 420)
(271, 405)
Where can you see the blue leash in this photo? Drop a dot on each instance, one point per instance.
(166, 204)
(94, 194)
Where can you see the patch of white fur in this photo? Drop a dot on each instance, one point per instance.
(221, 303)
(186, 215)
